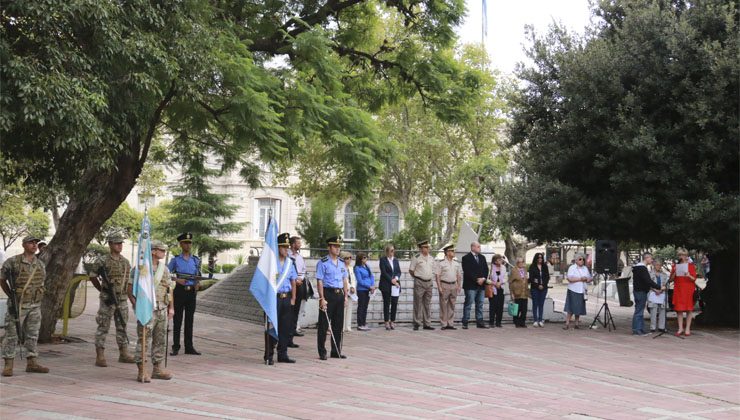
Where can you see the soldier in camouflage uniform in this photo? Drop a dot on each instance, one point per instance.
(28, 273)
(156, 329)
(118, 268)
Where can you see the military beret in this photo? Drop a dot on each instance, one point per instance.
(283, 239)
(157, 244)
(31, 238)
(422, 244)
(185, 237)
(448, 246)
(334, 240)
(115, 238)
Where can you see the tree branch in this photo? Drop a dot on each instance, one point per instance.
(154, 121)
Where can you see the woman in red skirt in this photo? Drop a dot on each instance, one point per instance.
(683, 275)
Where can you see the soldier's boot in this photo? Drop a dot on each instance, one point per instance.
(8, 370)
(159, 373)
(100, 357)
(124, 357)
(33, 367)
(143, 376)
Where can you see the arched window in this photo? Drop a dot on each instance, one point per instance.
(350, 213)
(388, 213)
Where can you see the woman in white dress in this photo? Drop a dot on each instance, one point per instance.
(347, 258)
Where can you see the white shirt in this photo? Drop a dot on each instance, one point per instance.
(574, 271)
(300, 265)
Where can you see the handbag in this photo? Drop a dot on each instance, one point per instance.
(489, 290)
(513, 308)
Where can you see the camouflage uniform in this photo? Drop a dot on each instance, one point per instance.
(118, 270)
(29, 287)
(156, 329)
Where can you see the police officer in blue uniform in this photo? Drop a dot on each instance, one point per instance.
(332, 281)
(186, 270)
(286, 294)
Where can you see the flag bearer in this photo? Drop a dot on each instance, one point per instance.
(286, 293)
(156, 329)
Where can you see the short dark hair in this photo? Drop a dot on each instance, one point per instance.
(293, 239)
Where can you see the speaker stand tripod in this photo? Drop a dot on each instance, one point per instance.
(608, 321)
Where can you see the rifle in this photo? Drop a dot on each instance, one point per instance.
(191, 279)
(112, 300)
(14, 308)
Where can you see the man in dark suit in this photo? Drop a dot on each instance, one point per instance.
(475, 273)
(390, 275)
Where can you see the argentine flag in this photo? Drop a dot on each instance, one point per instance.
(143, 278)
(264, 282)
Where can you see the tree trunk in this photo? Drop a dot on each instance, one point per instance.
(82, 219)
(721, 293)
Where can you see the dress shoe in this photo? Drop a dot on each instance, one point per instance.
(192, 351)
(322, 357)
(481, 326)
(285, 360)
(428, 327)
(416, 327)
(298, 334)
(465, 326)
(270, 361)
(293, 345)
(337, 356)
(450, 327)
(174, 352)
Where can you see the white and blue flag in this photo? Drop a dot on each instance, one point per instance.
(264, 282)
(143, 287)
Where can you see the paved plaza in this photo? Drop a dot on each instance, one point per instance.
(500, 373)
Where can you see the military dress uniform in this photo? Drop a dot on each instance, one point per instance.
(449, 273)
(423, 269)
(332, 275)
(156, 329)
(29, 288)
(118, 270)
(185, 296)
(286, 277)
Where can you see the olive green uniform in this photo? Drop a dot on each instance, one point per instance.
(156, 329)
(29, 288)
(118, 270)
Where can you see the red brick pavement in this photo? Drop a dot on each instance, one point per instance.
(500, 373)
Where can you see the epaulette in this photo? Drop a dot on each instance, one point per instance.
(325, 259)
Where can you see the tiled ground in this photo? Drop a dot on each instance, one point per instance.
(501, 373)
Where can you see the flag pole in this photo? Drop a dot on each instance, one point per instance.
(267, 329)
(143, 348)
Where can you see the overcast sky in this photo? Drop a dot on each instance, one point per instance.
(506, 20)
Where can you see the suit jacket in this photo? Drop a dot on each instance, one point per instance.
(387, 273)
(473, 270)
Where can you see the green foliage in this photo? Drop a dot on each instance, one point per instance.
(18, 219)
(160, 217)
(319, 223)
(632, 133)
(197, 210)
(205, 284)
(228, 268)
(125, 221)
(368, 229)
(417, 227)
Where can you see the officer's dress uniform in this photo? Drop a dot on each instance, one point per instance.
(332, 274)
(185, 297)
(286, 275)
(423, 268)
(118, 269)
(156, 329)
(29, 288)
(449, 271)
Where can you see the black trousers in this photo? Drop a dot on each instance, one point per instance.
(390, 305)
(335, 311)
(184, 303)
(522, 315)
(363, 300)
(285, 329)
(496, 308)
(299, 298)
